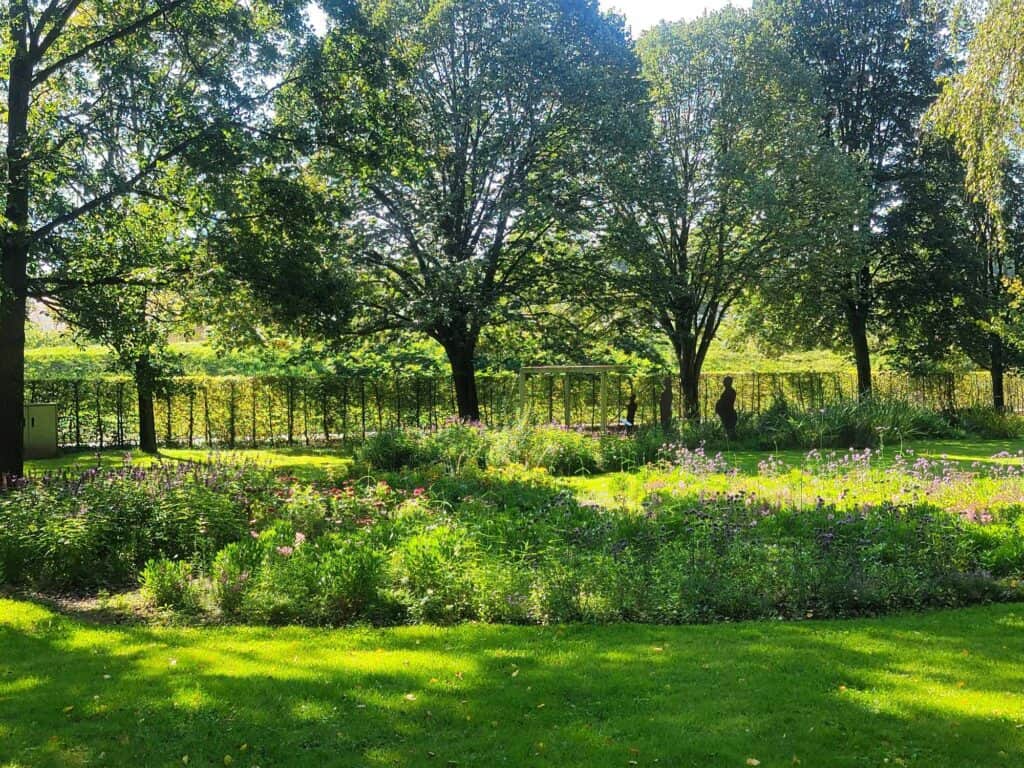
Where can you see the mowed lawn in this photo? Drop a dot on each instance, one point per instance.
(941, 690)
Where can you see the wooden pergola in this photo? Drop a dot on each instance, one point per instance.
(566, 372)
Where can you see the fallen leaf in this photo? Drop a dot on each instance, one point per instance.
(753, 761)
(410, 697)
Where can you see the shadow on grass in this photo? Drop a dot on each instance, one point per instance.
(942, 689)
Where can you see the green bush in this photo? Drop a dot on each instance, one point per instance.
(857, 423)
(561, 452)
(98, 529)
(458, 446)
(232, 574)
(508, 544)
(623, 453)
(393, 449)
(432, 575)
(990, 424)
(168, 584)
(351, 581)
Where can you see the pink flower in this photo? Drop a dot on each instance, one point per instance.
(254, 534)
(285, 551)
(419, 492)
(299, 538)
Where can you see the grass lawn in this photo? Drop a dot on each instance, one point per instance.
(305, 463)
(943, 689)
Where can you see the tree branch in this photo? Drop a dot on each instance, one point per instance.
(112, 37)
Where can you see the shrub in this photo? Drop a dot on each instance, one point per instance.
(559, 451)
(431, 574)
(458, 446)
(622, 453)
(857, 423)
(393, 449)
(990, 424)
(351, 578)
(99, 528)
(232, 574)
(501, 591)
(512, 544)
(168, 584)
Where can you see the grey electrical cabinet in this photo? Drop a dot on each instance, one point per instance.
(40, 430)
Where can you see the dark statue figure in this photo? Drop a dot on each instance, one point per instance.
(665, 405)
(726, 408)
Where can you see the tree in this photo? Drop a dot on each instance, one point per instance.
(982, 107)
(133, 265)
(733, 165)
(448, 161)
(100, 97)
(956, 290)
(876, 62)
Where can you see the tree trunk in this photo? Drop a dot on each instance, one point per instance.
(14, 252)
(461, 354)
(857, 322)
(997, 369)
(689, 379)
(147, 418)
(12, 385)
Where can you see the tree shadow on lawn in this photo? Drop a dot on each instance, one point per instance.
(942, 689)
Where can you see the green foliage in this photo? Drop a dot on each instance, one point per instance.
(990, 424)
(169, 584)
(512, 544)
(432, 573)
(732, 156)
(859, 423)
(99, 528)
(982, 107)
(232, 570)
(393, 449)
(559, 451)
(436, 166)
(833, 294)
(326, 580)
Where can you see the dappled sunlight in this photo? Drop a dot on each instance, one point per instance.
(480, 695)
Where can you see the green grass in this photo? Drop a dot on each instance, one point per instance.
(943, 689)
(800, 485)
(304, 463)
(963, 451)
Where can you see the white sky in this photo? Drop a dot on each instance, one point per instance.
(641, 14)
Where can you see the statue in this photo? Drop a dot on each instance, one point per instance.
(726, 408)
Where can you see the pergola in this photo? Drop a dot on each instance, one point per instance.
(566, 372)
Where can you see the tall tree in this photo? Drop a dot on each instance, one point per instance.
(734, 172)
(449, 161)
(876, 61)
(959, 264)
(100, 96)
(982, 107)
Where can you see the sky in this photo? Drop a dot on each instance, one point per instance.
(642, 14)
